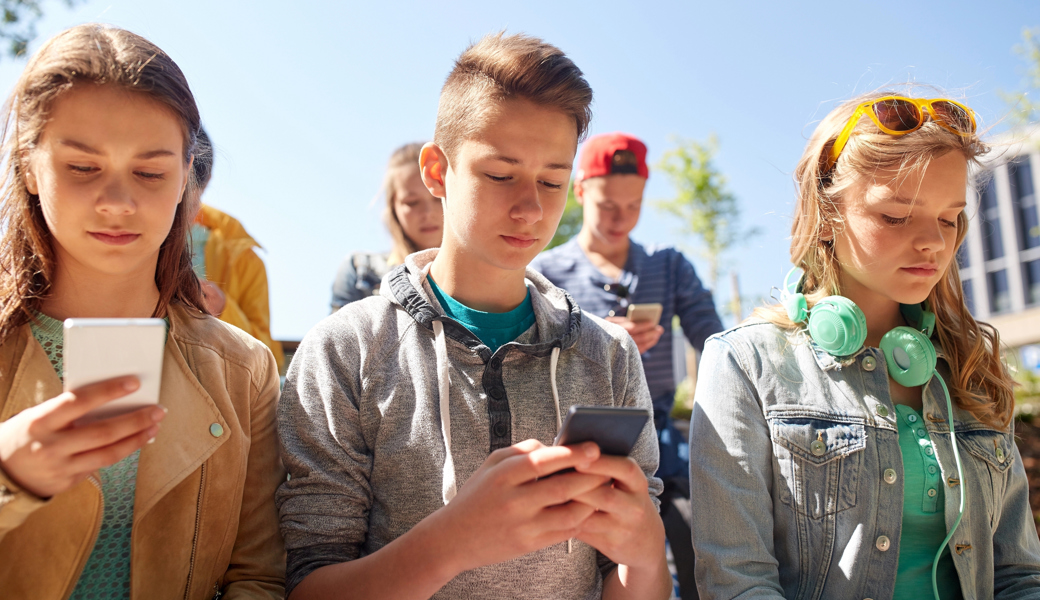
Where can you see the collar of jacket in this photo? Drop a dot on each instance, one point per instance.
(184, 440)
(557, 316)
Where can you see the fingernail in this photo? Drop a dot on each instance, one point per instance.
(591, 450)
(151, 441)
(130, 385)
(157, 415)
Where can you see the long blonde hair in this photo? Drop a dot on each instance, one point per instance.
(980, 382)
(84, 55)
(407, 155)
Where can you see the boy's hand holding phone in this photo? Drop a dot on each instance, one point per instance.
(625, 525)
(509, 507)
(44, 453)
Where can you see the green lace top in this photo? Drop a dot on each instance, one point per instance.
(107, 572)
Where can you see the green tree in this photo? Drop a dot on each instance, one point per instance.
(703, 205)
(570, 222)
(18, 23)
(1025, 108)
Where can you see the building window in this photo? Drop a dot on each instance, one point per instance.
(992, 241)
(1031, 271)
(999, 296)
(1023, 198)
(969, 296)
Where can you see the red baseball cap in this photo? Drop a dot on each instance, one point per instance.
(612, 154)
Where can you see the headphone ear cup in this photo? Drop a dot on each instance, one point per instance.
(797, 308)
(910, 356)
(838, 326)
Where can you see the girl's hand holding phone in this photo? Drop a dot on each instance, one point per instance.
(42, 450)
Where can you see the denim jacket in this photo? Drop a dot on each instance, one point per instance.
(775, 515)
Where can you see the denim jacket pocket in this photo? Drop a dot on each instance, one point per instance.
(819, 463)
(991, 454)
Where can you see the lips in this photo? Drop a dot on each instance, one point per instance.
(519, 242)
(115, 238)
(922, 270)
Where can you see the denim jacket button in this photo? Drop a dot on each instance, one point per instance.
(881, 411)
(890, 475)
(869, 363)
(883, 543)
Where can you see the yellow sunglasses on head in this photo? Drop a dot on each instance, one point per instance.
(899, 115)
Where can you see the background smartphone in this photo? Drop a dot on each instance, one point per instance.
(100, 349)
(615, 429)
(639, 313)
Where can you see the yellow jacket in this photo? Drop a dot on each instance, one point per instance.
(232, 264)
(204, 512)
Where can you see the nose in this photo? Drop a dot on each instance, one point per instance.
(931, 237)
(527, 206)
(116, 198)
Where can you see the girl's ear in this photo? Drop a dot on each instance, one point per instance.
(433, 165)
(579, 192)
(30, 179)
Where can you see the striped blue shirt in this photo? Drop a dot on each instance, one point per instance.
(655, 274)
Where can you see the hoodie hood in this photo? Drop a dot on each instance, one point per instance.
(558, 319)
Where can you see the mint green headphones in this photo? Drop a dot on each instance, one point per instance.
(838, 326)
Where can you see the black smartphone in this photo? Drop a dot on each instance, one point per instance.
(615, 429)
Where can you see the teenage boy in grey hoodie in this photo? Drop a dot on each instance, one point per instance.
(416, 425)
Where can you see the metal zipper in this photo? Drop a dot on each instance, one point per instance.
(195, 540)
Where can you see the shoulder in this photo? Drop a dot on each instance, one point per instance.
(756, 343)
(202, 337)
(604, 342)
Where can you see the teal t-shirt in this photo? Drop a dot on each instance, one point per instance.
(494, 329)
(924, 515)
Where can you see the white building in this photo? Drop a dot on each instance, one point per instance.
(1000, 259)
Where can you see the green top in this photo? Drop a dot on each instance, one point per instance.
(924, 515)
(107, 572)
(199, 237)
(494, 329)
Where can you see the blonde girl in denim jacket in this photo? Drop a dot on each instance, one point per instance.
(820, 446)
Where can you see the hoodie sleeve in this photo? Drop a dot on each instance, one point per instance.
(630, 390)
(325, 503)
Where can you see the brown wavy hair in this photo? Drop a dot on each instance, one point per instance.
(86, 54)
(403, 245)
(980, 382)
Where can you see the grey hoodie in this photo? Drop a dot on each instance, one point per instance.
(390, 406)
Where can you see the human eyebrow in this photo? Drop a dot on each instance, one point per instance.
(515, 161)
(80, 146)
(911, 202)
(155, 154)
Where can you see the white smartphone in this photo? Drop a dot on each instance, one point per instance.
(100, 349)
(639, 313)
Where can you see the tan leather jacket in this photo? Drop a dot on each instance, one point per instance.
(204, 513)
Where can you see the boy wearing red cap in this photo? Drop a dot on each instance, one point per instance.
(605, 271)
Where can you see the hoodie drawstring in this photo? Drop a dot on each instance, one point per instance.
(448, 475)
(553, 361)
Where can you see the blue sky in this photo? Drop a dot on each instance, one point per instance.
(305, 101)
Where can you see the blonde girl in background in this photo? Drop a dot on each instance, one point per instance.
(99, 138)
(414, 218)
(821, 457)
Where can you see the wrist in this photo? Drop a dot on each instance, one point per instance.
(432, 539)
